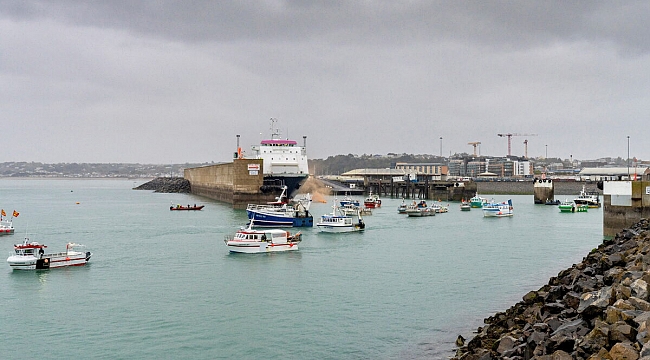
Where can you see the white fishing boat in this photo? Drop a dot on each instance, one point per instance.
(493, 209)
(439, 208)
(6, 227)
(401, 209)
(251, 241)
(339, 223)
(32, 256)
(591, 199)
(420, 209)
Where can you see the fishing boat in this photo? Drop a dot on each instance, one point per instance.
(567, 206)
(188, 207)
(439, 208)
(401, 209)
(251, 241)
(294, 213)
(465, 206)
(284, 162)
(372, 201)
(348, 200)
(339, 223)
(32, 256)
(591, 199)
(493, 209)
(6, 227)
(420, 209)
(477, 201)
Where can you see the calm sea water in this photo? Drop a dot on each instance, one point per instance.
(162, 284)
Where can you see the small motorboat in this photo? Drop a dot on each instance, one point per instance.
(32, 256)
(188, 207)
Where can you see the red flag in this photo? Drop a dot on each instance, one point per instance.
(15, 213)
(3, 212)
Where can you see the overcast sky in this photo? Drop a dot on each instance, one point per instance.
(176, 81)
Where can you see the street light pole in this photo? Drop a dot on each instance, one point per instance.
(628, 158)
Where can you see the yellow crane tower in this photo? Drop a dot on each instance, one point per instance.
(474, 143)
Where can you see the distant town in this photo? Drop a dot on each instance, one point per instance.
(462, 165)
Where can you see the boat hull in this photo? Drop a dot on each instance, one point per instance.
(259, 247)
(270, 220)
(49, 261)
(420, 213)
(7, 231)
(492, 213)
(186, 208)
(339, 229)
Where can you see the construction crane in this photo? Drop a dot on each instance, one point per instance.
(509, 136)
(526, 148)
(474, 143)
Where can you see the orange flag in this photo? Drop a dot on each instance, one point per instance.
(15, 213)
(3, 212)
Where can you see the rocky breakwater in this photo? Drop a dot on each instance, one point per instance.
(597, 309)
(167, 185)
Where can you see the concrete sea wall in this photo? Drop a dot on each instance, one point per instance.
(237, 183)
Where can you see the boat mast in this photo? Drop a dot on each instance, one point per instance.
(275, 132)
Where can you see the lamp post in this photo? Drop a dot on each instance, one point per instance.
(628, 158)
(441, 146)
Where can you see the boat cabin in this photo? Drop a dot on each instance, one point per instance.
(30, 249)
(274, 236)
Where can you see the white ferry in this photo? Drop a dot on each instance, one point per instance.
(284, 161)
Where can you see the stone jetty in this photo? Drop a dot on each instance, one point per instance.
(166, 185)
(597, 309)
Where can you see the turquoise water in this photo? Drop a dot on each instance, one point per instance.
(161, 283)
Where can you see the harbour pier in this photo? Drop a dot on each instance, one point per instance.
(437, 190)
(543, 191)
(239, 183)
(625, 203)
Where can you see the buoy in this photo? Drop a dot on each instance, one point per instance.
(77, 202)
